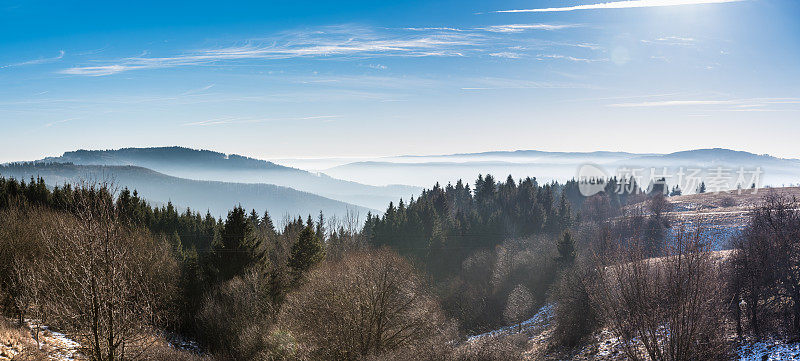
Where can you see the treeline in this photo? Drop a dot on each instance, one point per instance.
(195, 230)
(480, 244)
(148, 266)
(488, 245)
(444, 225)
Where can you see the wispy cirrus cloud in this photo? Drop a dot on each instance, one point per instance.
(503, 28)
(670, 103)
(748, 104)
(435, 28)
(491, 83)
(37, 61)
(517, 28)
(334, 42)
(506, 54)
(621, 5)
(671, 40)
(58, 122)
(568, 57)
(198, 90)
(247, 120)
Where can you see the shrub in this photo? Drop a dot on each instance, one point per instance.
(234, 318)
(668, 308)
(492, 348)
(369, 303)
(574, 315)
(765, 270)
(518, 306)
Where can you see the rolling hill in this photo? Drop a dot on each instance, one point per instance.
(215, 166)
(215, 196)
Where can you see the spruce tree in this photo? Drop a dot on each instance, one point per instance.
(236, 249)
(306, 252)
(266, 223)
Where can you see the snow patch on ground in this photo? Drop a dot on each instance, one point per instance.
(540, 319)
(63, 347)
(182, 343)
(768, 350)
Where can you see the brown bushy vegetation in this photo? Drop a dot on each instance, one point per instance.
(367, 304)
(492, 348)
(666, 308)
(17, 344)
(766, 269)
(103, 282)
(86, 273)
(479, 295)
(575, 317)
(235, 318)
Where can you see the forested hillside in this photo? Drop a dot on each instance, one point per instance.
(158, 188)
(483, 243)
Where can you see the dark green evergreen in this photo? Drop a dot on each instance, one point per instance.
(566, 249)
(306, 252)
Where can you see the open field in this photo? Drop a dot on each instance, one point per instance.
(724, 212)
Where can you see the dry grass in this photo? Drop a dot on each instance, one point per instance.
(16, 343)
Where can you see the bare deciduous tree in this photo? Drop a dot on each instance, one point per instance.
(574, 314)
(102, 281)
(519, 304)
(766, 265)
(666, 308)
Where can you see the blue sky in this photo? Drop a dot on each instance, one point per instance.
(281, 79)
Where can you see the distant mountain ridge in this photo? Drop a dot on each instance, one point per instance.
(532, 152)
(148, 157)
(561, 166)
(215, 166)
(718, 155)
(703, 153)
(157, 188)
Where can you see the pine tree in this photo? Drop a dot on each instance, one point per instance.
(306, 252)
(702, 188)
